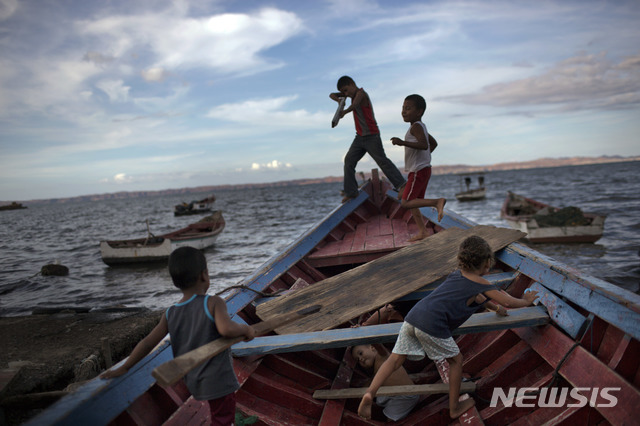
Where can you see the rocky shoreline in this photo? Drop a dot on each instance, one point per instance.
(48, 354)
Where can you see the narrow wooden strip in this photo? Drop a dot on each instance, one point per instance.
(431, 389)
(333, 410)
(383, 333)
(385, 226)
(373, 227)
(360, 237)
(379, 242)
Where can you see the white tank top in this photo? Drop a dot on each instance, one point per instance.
(416, 159)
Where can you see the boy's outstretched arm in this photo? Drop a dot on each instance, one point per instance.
(141, 350)
(227, 327)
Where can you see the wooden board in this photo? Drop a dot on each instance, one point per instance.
(430, 389)
(374, 284)
(339, 109)
(383, 333)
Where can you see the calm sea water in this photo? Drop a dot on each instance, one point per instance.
(261, 222)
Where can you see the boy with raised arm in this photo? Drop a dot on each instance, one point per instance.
(367, 139)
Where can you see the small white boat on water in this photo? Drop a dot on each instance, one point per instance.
(546, 224)
(467, 191)
(200, 235)
(194, 207)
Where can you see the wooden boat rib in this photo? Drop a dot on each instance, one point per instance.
(584, 335)
(201, 234)
(537, 220)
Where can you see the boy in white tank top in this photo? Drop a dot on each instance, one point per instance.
(418, 145)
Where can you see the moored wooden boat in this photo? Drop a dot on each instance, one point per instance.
(546, 224)
(201, 234)
(467, 191)
(194, 207)
(13, 206)
(584, 335)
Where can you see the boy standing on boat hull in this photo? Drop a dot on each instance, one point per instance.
(367, 139)
(196, 320)
(418, 146)
(428, 325)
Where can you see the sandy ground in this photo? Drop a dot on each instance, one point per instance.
(52, 351)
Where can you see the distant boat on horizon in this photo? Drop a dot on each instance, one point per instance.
(13, 206)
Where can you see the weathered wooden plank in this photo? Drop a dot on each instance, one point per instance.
(392, 276)
(379, 242)
(385, 226)
(333, 410)
(345, 245)
(616, 306)
(383, 333)
(373, 227)
(430, 389)
(560, 312)
(400, 232)
(360, 237)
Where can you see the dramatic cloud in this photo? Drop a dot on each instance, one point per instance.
(230, 42)
(577, 83)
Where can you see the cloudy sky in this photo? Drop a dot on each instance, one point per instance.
(120, 95)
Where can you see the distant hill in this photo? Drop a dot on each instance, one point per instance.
(437, 170)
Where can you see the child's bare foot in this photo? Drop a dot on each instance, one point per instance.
(440, 208)
(346, 198)
(364, 410)
(461, 408)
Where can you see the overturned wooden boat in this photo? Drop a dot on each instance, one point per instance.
(546, 224)
(467, 191)
(201, 234)
(194, 207)
(583, 337)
